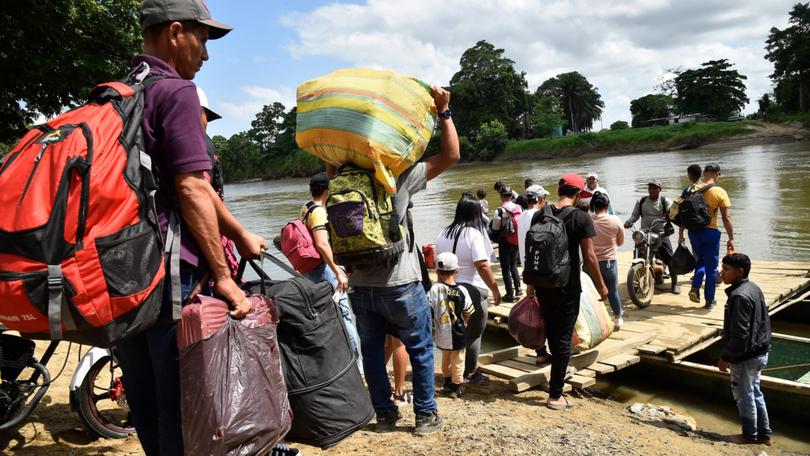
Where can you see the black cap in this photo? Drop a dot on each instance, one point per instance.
(319, 179)
(161, 11)
(506, 190)
(712, 168)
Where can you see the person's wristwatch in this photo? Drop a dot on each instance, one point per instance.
(446, 114)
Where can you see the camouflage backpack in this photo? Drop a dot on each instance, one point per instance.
(363, 223)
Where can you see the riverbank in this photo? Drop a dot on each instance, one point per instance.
(651, 139)
(487, 419)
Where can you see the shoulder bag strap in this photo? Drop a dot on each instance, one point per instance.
(455, 242)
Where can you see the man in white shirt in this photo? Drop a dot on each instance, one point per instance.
(536, 199)
(592, 186)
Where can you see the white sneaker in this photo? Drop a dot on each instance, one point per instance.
(619, 323)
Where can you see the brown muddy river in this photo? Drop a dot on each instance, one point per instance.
(769, 186)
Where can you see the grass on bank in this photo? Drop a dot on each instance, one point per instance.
(690, 135)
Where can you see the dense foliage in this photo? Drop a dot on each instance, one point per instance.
(52, 52)
(714, 89)
(789, 50)
(619, 125)
(652, 109)
(580, 101)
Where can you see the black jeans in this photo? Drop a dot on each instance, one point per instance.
(664, 253)
(508, 255)
(560, 313)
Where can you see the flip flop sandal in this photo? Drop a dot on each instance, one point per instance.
(567, 405)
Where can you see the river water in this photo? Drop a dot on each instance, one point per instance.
(769, 186)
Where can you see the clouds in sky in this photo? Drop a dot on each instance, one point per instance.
(622, 47)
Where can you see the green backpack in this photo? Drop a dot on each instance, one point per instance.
(363, 223)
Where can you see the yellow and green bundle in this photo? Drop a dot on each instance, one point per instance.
(375, 119)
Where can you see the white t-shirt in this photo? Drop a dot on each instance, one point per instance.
(442, 299)
(472, 246)
(524, 223)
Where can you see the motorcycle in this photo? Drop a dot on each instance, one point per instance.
(96, 389)
(645, 271)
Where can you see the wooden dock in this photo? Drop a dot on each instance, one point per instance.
(667, 331)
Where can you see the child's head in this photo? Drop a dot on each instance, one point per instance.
(482, 194)
(736, 267)
(447, 267)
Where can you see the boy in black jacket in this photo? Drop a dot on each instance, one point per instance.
(746, 341)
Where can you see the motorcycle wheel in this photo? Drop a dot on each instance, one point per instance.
(101, 401)
(640, 285)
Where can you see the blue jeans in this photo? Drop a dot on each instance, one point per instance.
(406, 312)
(610, 274)
(149, 362)
(321, 273)
(750, 401)
(706, 246)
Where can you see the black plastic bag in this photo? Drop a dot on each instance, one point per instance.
(682, 262)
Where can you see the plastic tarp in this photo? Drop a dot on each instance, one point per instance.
(375, 119)
(233, 395)
(594, 324)
(526, 323)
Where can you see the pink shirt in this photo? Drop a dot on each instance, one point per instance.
(609, 236)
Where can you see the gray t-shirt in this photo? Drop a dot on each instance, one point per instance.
(649, 210)
(407, 270)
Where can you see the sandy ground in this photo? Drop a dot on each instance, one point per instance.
(487, 420)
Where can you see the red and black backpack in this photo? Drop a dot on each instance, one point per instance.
(81, 255)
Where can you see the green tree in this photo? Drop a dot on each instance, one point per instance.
(53, 52)
(267, 126)
(488, 87)
(241, 157)
(285, 140)
(547, 115)
(789, 50)
(714, 89)
(491, 140)
(619, 125)
(580, 101)
(648, 107)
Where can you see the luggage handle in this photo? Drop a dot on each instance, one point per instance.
(259, 268)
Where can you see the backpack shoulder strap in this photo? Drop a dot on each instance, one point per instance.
(642, 201)
(705, 187)
(566, 211)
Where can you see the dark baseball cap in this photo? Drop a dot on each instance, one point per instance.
(161, 11)
(712, 168)
(506, 190)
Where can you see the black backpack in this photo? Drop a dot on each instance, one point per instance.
(692, 210)
(548, 264)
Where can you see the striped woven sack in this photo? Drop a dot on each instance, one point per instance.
(594, 324)
(375, 119)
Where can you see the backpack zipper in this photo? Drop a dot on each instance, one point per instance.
(37, 160)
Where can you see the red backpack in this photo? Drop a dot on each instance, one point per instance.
(81, 256)
(297, 244)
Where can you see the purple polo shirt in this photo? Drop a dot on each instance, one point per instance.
(174, 139)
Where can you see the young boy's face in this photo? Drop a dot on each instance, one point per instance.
(730, 274)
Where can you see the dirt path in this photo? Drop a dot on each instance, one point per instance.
(487, 420)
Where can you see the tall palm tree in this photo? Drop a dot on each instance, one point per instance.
(580, 101)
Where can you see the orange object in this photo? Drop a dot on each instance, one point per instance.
(429, 252)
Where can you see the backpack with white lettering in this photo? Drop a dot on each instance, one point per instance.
(548, 263)
(297, 243)
(80, 247)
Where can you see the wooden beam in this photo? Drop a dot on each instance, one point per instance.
(580, 382)
(602, 368)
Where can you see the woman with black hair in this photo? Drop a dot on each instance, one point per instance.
(609, 237)
(466, 238)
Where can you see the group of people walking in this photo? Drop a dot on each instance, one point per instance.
(389, 302)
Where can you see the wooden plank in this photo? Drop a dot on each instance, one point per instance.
(503, 354)
(673, 356)
(582, 360)
(580, 382)
(587, 373)
(567, 388)
(501, 371)
(525, 367)
(602, 368)
(621, 361)
(650, 349)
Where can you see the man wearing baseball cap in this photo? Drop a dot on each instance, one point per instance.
(706, 240)
(591, 187)
(560, 305)
(652, 207)
(175, 33)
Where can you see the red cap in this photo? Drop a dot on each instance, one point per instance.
(573, 179)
